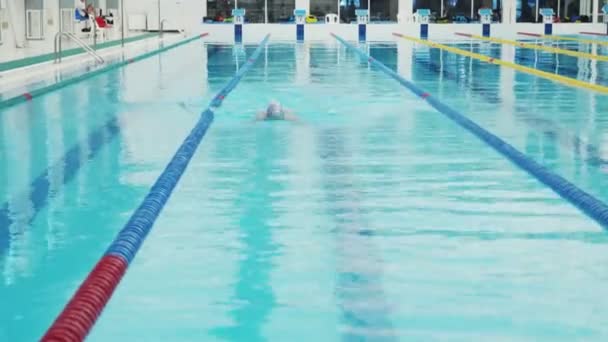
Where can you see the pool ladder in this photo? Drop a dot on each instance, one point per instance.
(87, 48)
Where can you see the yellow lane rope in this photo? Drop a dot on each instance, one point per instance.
(553, 77)
(537, 47)
(574, 39)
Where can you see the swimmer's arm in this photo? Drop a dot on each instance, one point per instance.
(260, 116)
(289, 115)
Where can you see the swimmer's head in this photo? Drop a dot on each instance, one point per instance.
(274, 108)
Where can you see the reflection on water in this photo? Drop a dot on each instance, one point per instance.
(375, 218)
(254, 299)
(365, 310)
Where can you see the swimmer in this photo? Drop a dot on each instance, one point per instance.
(275, 111)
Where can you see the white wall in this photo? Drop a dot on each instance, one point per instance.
(188, 14)
(180, 14)
(10, 17)
(253, 33)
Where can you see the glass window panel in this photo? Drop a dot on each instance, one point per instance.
(384, 10)
(547, 4)
(570, 11)
(254, 10)
(67, 4)
(433, 5)
(495, 5)
(348, 7)
(280, 10)
(456, 11)
(526, 11)
(218, 10)
(320, 8)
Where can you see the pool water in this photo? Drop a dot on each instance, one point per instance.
(372, 218)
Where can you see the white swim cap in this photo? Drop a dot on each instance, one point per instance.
(274, 108)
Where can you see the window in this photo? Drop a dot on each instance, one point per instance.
(495, 5)
(571, 12)
(254, 10)
(320, 8)
(456, 11)
(526, 11)
(280, 11)
(547, 4)
(383, 10)
(433, 5)
(34, 19)
(218, 10)
(348, 7)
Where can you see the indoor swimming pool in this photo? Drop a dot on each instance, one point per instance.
(373, 217)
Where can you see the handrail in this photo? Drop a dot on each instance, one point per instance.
(162, 27)
(82, 44)
(94, 24)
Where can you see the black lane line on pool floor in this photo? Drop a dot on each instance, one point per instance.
(360, 294)
(258, 210)
(40, 188)
(551, 129)
(40, 193)
(585, 202)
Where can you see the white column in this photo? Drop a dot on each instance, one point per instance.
(582, 7)
(406, 9)
(512, 11)
(473, 10)
(16, 18)
(508, 13)
(596, 9)
(51, 22)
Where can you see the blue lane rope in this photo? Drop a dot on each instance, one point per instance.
(588, 204)
(131, 237)
(566, 138)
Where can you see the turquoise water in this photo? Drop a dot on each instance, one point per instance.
(374, 218)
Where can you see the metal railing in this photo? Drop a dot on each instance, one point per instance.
(94, 23)
(162, 27)
(82, 44)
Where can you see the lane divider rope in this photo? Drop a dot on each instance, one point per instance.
(595, 33)
(547, 75)
(536, 47)
(573, 39)
(588, 204)
(83, 310)
(28, 96)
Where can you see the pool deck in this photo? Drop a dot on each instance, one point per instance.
(14, 58)
(43, 74)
